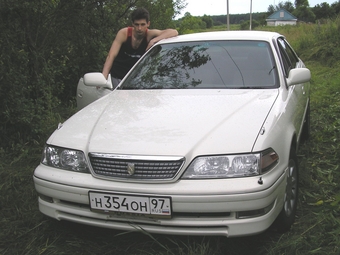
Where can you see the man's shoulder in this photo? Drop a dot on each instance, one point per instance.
(123, 30)
(122, 34)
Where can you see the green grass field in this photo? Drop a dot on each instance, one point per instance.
(24, 230)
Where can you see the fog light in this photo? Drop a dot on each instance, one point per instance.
(46, 198)
(254, 213)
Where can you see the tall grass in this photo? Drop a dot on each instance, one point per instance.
(314, 42)
(317, 230)
(24, 230)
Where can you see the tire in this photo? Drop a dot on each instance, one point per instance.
(286, 217)
(305, 135)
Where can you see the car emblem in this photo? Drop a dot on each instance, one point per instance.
(131, 168)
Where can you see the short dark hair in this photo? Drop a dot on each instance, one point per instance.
(140, 13)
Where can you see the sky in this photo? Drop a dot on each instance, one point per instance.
(219, 7)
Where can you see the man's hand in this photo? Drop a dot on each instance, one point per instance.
(151, 43)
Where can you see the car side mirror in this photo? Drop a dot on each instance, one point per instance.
(298, 75)
(97, 79)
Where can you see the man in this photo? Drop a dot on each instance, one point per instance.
(131, 43)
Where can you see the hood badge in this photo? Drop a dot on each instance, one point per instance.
(131, 169)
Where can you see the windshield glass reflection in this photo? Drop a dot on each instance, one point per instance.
(209, 64)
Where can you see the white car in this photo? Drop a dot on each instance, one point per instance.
(199, 138)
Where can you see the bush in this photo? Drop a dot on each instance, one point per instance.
(245, 25)
(46, 46)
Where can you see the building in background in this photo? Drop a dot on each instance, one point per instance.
(280, 18)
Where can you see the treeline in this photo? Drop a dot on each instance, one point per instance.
(238, 18)
(46, 46)
(300, 9)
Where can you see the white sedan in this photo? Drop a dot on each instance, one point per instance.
(200, 138)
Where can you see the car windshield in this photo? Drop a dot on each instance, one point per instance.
(205, 65)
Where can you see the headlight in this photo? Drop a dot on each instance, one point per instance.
(230, 166)
(66, 159)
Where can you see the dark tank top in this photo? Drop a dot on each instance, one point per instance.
(127, 56)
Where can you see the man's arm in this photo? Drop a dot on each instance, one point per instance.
(115, 47)
(155, 35)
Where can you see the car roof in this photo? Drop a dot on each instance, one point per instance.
(225, 35)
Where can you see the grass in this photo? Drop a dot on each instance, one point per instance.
(24, 230)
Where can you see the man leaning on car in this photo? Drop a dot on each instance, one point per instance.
(131, 43)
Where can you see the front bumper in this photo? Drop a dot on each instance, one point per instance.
(195, 210)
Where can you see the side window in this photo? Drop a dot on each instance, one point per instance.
(292, 56)
(289, 58)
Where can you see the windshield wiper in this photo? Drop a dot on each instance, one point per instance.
(271, 70)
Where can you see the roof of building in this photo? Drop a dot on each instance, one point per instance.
(282, 14)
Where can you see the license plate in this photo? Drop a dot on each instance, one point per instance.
(109, 202)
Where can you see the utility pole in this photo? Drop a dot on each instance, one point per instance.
(228, 15)
(251, 3)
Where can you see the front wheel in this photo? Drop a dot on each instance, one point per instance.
(287, 215)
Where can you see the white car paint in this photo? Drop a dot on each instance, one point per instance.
(181, 121)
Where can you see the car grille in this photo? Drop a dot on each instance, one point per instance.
(140, 167)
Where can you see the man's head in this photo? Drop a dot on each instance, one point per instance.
(139, 14)
(140, 22)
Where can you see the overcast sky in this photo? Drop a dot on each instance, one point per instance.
(219, 7)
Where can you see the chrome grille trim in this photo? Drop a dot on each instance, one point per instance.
(145, 167)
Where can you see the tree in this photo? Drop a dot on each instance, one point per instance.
(162, 12)
(208, 21)
(323, 11)
(271, 9)
(286, 5)
(300, 3)
(46, 46)
(246, 24)
(336, 7)
(189, 23)
(303, 12)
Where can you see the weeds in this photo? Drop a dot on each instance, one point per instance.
(24, 230)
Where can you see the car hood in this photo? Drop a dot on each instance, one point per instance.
(169, 122)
